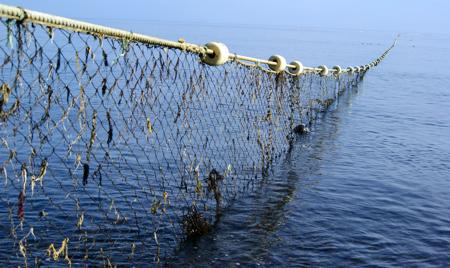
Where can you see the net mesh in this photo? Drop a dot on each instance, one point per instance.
(113, 152)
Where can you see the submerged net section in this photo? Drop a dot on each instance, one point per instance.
(112, 152)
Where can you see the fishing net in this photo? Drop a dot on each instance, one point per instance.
(112, 152)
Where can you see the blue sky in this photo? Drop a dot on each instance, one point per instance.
(430, 16)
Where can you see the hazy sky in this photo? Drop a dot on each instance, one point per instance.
(392, 15)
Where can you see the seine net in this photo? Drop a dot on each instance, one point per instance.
(113, 151)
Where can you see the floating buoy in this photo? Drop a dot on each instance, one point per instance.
(219, 56)
(338, 69)
(324, 70)
(298, 69)
(280, 63)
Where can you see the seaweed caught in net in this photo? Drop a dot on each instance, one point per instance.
(113, 151)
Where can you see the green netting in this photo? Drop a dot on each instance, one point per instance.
(112, 152)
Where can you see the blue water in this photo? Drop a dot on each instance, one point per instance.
(371, 185)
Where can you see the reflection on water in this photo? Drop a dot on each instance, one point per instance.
(249, 231)
(368, 187)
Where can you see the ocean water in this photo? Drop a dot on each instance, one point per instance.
(370, 186)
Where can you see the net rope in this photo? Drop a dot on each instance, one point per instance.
(112, 151)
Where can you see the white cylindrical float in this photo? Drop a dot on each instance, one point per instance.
(323, 70)
(280, 63)
(219, 56)
(298, 69)
(338, 69)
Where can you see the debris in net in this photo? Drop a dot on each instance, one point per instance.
(198, 185)
(21, 206)
(77, 160)
(51, 33)
(105, 58)
(228, 171)
(93, 135)
(43, 213)
(301, 129)
(40, 177)
(67, 93)
(166, 201)
(5, 174)
(213, 185)
(120, 219)
(9, 24)
(155, 206)
(42, 170)
(62, 251)
(213, 180)
(149, 126)
(82, 105)
(5, 92)
(87, 52)
(58, 60)
(327, 103)
(268, 116)
(97, 174)
(158, 205)
(6, 61)
(23, 250)
(104, 88)
(158, 248)
(124, 45)
(24, 177)
(85, 173)
(194, 224)
(48, 106)
(23, 244)
(133, 251)
(80, 221)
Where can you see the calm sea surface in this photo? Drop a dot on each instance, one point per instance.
(371, 185)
